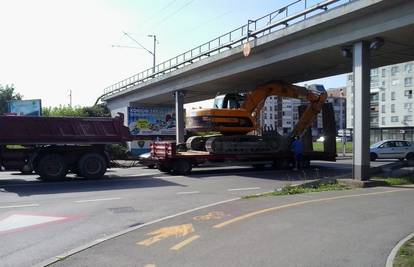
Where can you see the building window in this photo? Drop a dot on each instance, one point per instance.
(393, 108)
(270, 108)
(395, 82)
(383, 72)
(408, 118)
(408, 105)
(350, 77)
(383, 85)
(395, 70)
(394, 119)
(383, 97)
(408, 81)
(383, 120)
(374, 72)
(392, 95)
(408, 93)
(408, 67)
(383, 108)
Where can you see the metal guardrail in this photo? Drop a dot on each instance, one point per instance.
(294, 12)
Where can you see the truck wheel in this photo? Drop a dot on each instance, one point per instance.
(92, 166)
(410, 156)
(164, 167)
(52, 167)
(373, 156)
(26, 169)
(181, 167)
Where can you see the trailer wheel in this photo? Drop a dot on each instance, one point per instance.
(52, 167)
(92, 166)
(181, 167)
(164, 167)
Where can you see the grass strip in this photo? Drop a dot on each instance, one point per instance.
(405, 256)
(300, 189)
(394, 181)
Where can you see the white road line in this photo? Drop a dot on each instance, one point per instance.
(19, 206)
(98, 199)
(187, 193)
(243, 189)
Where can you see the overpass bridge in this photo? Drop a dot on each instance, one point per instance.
(295, 43)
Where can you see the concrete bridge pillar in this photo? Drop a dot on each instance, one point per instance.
(361, 68)
(179, 116)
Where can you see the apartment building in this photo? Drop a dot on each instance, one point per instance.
(282, 114)
(391, 96)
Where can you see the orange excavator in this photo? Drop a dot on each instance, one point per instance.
(234, 116)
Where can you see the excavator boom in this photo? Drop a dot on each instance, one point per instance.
(230, 119)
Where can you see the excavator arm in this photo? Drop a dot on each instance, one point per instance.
(315, 95)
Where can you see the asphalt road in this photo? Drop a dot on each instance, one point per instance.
(342, 228)
(39, 221)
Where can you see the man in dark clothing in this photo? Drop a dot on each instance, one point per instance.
(298, 150)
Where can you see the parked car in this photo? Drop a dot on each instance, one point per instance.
(146, 160)
(392, 149)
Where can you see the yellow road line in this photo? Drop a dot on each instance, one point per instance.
(185, 242)
(255, 213)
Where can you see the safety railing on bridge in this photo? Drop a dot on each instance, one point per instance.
(294, 12)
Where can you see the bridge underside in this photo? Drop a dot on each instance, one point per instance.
(398, 47)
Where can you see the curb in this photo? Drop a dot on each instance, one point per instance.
(394, 251)
(123, 232)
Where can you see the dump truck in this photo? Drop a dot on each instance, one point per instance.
(234, 119)
(54, 146)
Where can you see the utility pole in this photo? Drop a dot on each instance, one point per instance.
(153, 53)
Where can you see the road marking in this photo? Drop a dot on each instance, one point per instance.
(150, 265)
(19, 206)
(165, 232)
(300, 203)
(214, 215)
(18, 221)
(98, 199)
(100, 240)
(243, 189)
(189, 192)
(184, 243)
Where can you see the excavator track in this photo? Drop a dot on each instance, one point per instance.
(244, 144)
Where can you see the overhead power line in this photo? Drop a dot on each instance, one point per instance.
(172, 14)
(158, 12)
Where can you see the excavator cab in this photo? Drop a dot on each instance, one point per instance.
(229, 101)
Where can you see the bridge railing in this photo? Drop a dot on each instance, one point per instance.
(294, 12)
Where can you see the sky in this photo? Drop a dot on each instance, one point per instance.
(51, 47)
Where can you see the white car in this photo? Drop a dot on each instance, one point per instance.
(392, 149)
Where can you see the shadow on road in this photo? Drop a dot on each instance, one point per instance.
(315, 172)
(24, 187)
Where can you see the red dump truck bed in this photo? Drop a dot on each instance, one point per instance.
(62, 130)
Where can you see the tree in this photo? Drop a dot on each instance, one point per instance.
(77, 111)
(7, 93)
